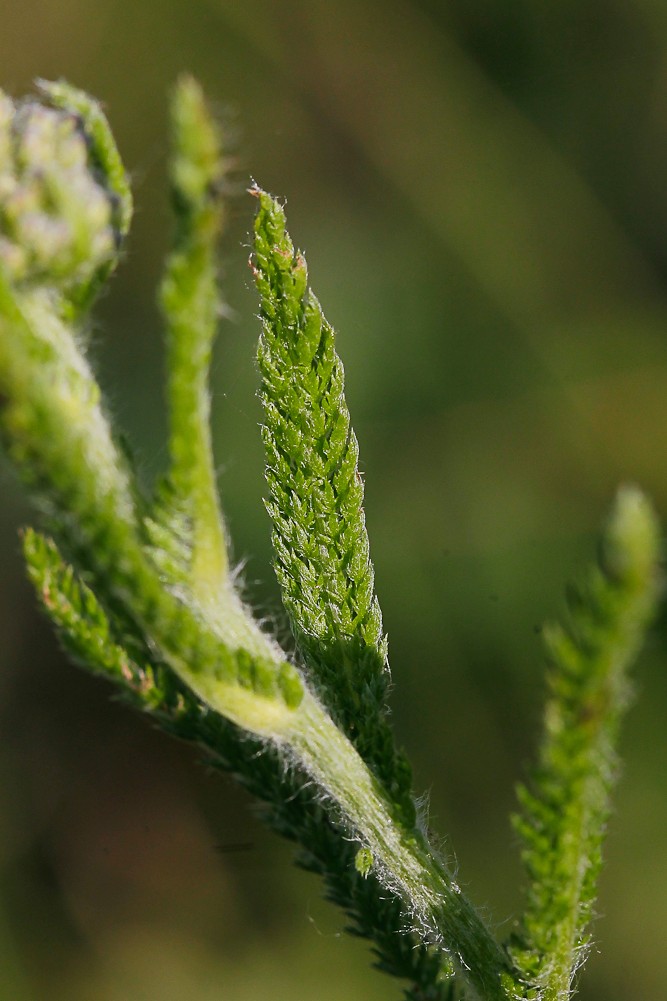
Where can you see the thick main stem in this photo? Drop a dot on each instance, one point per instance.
(433, 901)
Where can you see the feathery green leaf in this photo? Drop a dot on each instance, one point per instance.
(320, 541)
(81, 623)
(566, 807)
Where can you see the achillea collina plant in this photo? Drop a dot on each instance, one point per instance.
(140, 590)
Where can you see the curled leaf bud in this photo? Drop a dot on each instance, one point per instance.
(56, 215)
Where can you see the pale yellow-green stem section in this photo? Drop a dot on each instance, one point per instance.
(403, 860)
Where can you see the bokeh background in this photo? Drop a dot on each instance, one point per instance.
(481, 189)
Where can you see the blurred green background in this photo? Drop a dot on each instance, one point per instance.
(481, 189)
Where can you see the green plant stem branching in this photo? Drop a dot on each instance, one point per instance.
(140, 589)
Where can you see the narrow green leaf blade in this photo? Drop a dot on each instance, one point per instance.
(190, 302)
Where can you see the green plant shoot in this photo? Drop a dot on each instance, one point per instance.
(140, 589)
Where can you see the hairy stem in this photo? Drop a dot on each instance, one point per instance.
(434, 904)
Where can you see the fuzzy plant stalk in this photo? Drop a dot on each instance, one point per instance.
(140, 588)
